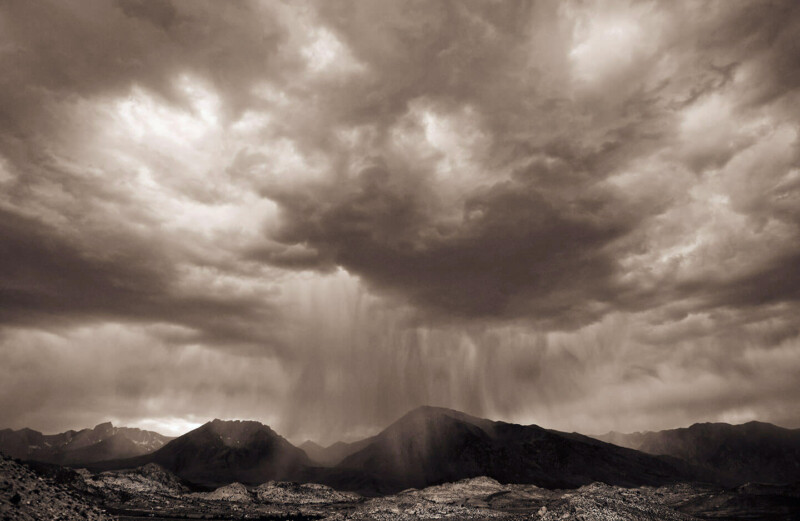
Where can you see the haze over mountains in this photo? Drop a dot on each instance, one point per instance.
(753, 451)
(221, 452)
(333, 454)
(431, 445)
(103, 442)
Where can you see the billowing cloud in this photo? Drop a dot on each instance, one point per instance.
(580, 214)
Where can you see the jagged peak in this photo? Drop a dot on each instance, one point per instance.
(237, 424)
(217, 420)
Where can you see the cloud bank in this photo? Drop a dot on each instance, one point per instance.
(579, 214)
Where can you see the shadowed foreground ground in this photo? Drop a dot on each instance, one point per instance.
(152, 493)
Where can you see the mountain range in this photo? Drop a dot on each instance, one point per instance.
(430, 446)
(221, 452)
(426, 446)
(751, 452)
(333, 454)
(103, 442)
(433, 445)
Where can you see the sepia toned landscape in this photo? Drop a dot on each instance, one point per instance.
(432, 463)
(400, 259)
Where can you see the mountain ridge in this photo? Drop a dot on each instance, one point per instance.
(220, 452)
(104, 441)
(334, 453)
(432, 445)
(748, 452)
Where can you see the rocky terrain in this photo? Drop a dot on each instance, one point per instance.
(147, 480)
(151, 492)
(485, 498)
(25, 495)
(479, 498)
(301, 494)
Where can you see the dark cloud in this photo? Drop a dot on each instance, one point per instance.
(160, 13)
(79, 244)
(546, 240)
(581, 214)
(104, 48)
(515, 252)
(49, 282)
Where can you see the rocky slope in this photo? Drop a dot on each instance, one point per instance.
(484, 498)
(148, 479)
(301, 494)
(24, 495)
(154, 492)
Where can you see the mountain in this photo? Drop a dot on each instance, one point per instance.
(432, 445)
(314, 451)
(222, 452)
(751, 452)
(104, 441)
(333, 454)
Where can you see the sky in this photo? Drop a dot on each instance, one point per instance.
(319, 215)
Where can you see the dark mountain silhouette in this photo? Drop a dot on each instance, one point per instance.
(221, 452)
(314, 451)
(333, 454)
(433, 445)
(752, 452)
(114, 447)
(105, 441)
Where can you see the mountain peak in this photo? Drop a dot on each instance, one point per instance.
(429, 413)
(220, 452)
(216, 423)
(432, 445)
(89, 445)
(433, 409)
(238, 432)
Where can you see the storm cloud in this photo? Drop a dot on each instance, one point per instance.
(319, 215)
